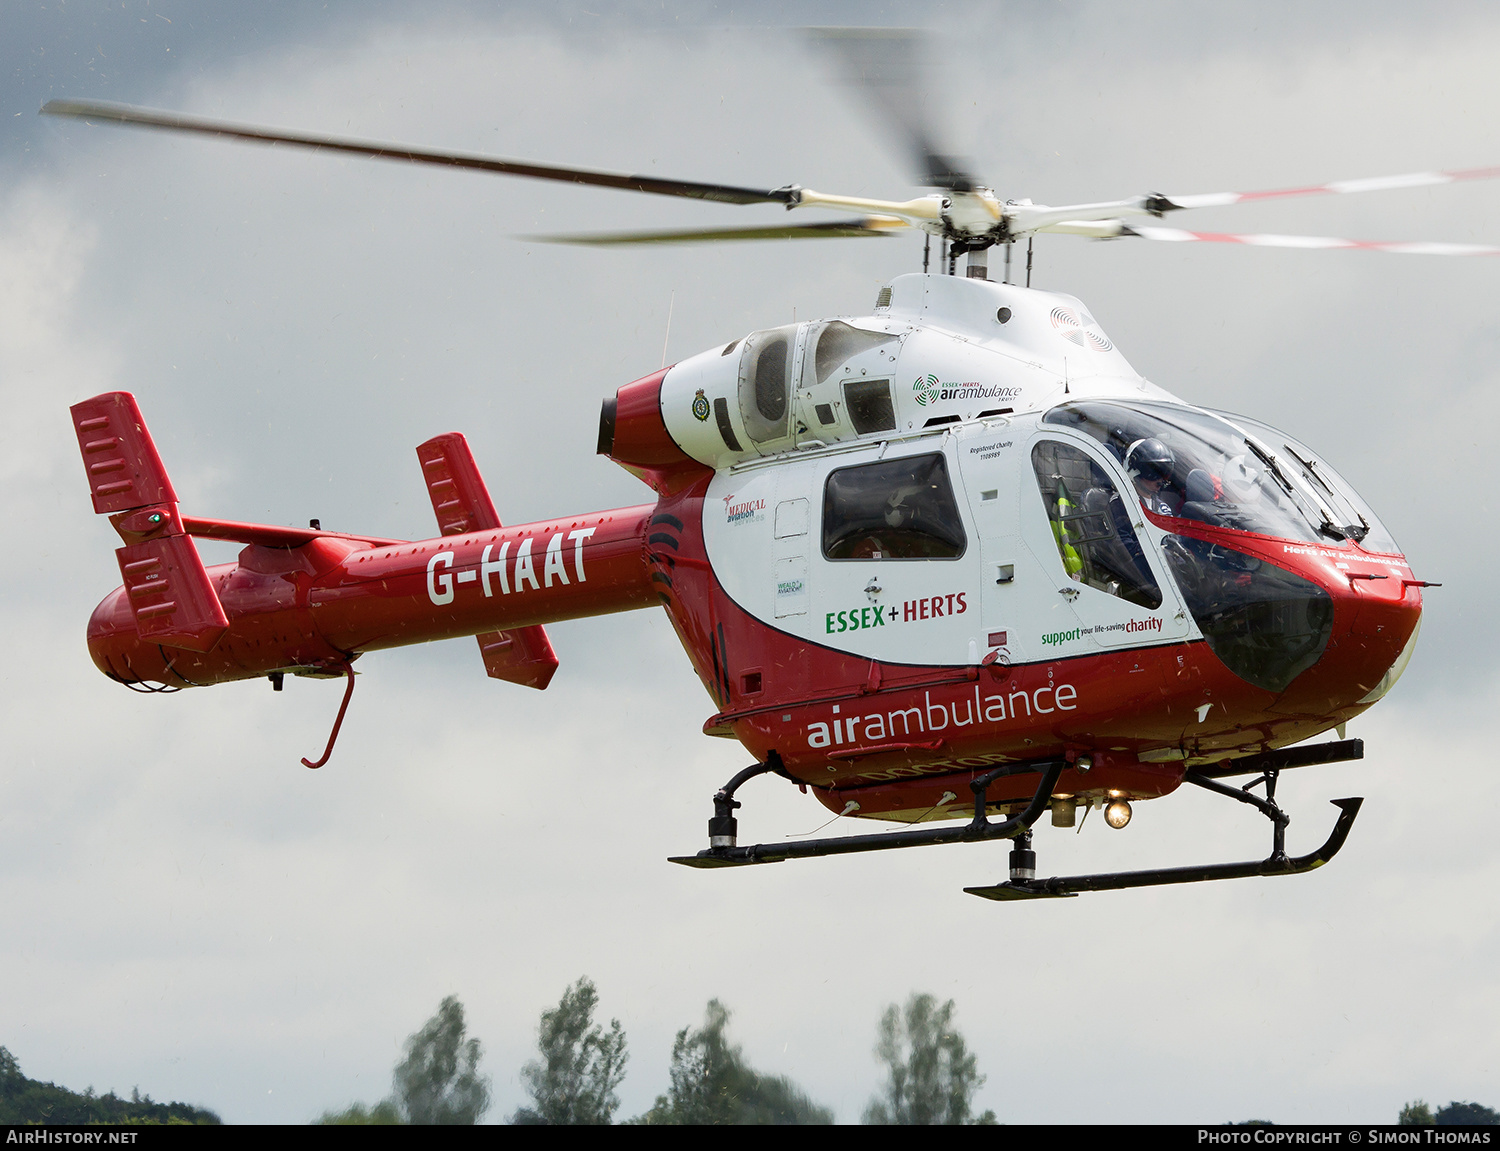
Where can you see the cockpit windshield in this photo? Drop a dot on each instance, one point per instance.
(1225, 472)
(1346, 503)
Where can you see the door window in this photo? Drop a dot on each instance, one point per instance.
(1091, 525)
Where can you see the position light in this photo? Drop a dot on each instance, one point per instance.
(1117, 814)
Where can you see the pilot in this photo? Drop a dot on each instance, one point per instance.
(1150, 464)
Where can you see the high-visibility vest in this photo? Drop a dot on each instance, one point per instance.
(1072, 561)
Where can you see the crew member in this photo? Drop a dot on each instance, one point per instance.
(1150, 463)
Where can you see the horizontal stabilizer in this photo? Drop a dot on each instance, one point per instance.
(271, 535)
(462, 504)
(123, 467)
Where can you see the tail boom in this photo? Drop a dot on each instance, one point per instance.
(311, 608)
(307, 601)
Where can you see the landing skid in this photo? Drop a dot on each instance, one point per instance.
(1023, 884)
(1066, 887)
(722, 851)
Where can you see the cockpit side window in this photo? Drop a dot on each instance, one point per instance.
(1091, 525)
(893, 510)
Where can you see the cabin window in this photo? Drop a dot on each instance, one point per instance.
(836, 344)
(869, 405)
(1091, 525)
(893, 510)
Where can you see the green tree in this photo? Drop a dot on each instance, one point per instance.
(439, 1080)
(1415, 1114)
(712, 1084)
(581, 1064)
(24, 1100)
(1466, 1114)
(385, 1113)
(932, 1077)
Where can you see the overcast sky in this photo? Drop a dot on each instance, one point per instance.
(189, 910)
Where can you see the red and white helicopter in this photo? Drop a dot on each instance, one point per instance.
(950, 560)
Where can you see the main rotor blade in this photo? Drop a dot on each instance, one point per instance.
(176, 122)
(1418, 248)
(1338, 187)
(888, 66)
(836, 229)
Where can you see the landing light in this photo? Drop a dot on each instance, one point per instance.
(1118, 813)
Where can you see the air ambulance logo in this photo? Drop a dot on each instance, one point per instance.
(926, 389)
(700, 406)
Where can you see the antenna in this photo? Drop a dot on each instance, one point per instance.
(670, 303)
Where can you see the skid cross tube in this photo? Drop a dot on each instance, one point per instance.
(980, 828)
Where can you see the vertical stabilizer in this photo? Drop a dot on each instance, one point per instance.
(123, 467)
(462, 504)
(170, 595)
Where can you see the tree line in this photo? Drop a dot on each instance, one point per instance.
(1418, 1114)
(24, 1100)
(931, 1076)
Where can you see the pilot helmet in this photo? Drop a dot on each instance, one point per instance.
(1150, 459)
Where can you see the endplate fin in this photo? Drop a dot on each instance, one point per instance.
(170, 595)
(125, 472)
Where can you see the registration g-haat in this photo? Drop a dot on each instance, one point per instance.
(505, 573)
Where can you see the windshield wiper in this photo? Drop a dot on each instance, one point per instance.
(1332, 530)
(1327, 527)
(1270, 461)
(1310, 470)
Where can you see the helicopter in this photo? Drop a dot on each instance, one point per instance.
(953, 559)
